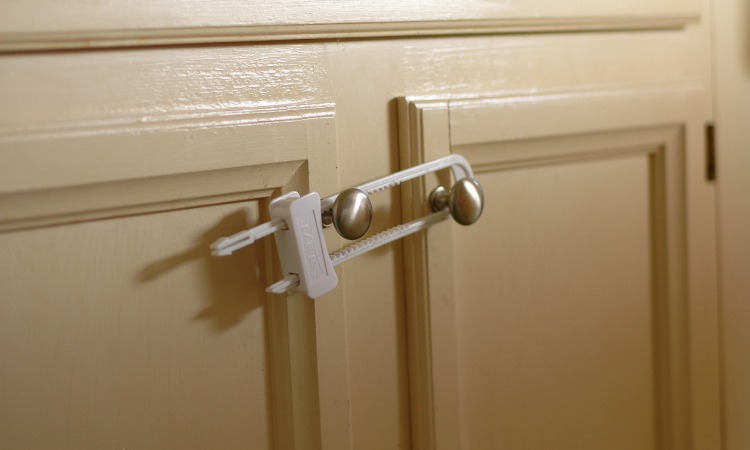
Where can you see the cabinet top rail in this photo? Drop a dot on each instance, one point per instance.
(33, 25)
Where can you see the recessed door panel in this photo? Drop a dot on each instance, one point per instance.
(127, 333)
(555, 326)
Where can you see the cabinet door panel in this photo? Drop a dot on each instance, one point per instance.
(126, 333)
(119, 329)
(555, 323)
(560, 319)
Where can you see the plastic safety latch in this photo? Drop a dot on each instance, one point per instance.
(302, 246)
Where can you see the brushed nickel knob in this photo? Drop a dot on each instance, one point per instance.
(465, 200)
(351, 214)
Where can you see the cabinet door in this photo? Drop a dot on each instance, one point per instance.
(579, 311)
(117, 327)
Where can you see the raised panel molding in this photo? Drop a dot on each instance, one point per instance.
(95, 171)
(391, 27)
(509, 131)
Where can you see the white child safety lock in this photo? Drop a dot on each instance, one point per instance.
(297, 224)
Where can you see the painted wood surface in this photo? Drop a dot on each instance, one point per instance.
(732, 115)
(126, 332)
(136, 167)
(44, 24)
(360, 331)
(565, 322)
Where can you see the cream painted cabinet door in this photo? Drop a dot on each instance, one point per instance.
(579, 312)
(123, 332)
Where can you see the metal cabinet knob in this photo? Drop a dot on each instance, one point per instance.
(351, 214)
(465, 201)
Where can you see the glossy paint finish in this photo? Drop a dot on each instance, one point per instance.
(181, 131)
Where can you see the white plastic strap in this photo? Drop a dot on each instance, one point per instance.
(365, 245)
(384, 237)
(458, 164)
(227, 245)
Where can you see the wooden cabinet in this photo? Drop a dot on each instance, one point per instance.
(580, 312)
